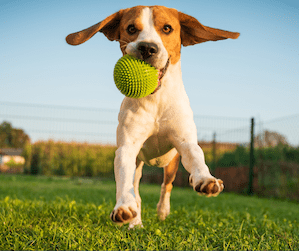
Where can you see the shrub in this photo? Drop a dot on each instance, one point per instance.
(70, 159)
(291, 154)
(239, 157)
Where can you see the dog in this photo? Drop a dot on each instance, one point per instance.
(159, 129)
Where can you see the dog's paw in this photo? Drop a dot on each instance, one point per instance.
(123, 214)
(208, 186)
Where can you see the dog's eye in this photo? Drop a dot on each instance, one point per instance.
(167, 29)
(131, 29)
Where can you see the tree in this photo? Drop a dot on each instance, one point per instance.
(12, 137)
(270, 139)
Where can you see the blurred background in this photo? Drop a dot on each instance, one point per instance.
(59, 104)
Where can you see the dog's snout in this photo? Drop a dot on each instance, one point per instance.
(147, 49)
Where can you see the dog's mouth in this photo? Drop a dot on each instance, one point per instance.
(161, 75)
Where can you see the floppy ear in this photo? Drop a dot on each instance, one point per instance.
(109, 26)
(193, 32)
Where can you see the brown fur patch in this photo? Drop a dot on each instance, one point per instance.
(172, 41)
(130, 16)
(170, 172)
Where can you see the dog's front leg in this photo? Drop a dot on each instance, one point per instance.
(125, 209)
(200, 177)
(135, 126)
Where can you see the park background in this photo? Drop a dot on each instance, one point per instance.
(53, 91)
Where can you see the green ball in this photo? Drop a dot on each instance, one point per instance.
(134, 77)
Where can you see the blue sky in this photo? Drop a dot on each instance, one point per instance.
(255, 75)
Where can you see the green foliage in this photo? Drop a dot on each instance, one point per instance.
(240, 157)
(279, 153)
(291, 154)
(70, 159)
(40, 213)
(11, 137)
(13, 164)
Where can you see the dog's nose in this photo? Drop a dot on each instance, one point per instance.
(147, 49)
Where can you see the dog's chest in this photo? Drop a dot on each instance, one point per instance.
(157, 151)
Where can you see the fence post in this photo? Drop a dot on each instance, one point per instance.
(251, 161)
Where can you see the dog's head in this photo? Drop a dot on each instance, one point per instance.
(154, 34)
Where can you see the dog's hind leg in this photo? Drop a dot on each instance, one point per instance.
(138, 173)
(163, 207)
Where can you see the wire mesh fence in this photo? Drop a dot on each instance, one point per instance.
(283, 130)
(225, 141)
(43, 122)
(59, 123)
(94, 125)
(226, 129)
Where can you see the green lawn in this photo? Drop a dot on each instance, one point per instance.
(60, 213)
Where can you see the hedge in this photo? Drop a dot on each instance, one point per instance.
(69, 159)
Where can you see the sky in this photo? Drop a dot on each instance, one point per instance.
(256, 75)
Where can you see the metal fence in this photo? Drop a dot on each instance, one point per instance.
(93, 125)
(216, 135)
(285, 129)
(61, 123)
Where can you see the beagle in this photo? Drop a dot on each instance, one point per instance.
(159, 129)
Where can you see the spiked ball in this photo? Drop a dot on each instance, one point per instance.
(134, 77)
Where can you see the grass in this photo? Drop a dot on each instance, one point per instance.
(42, 213)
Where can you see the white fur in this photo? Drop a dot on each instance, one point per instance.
(155, 128)
(149, 34)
